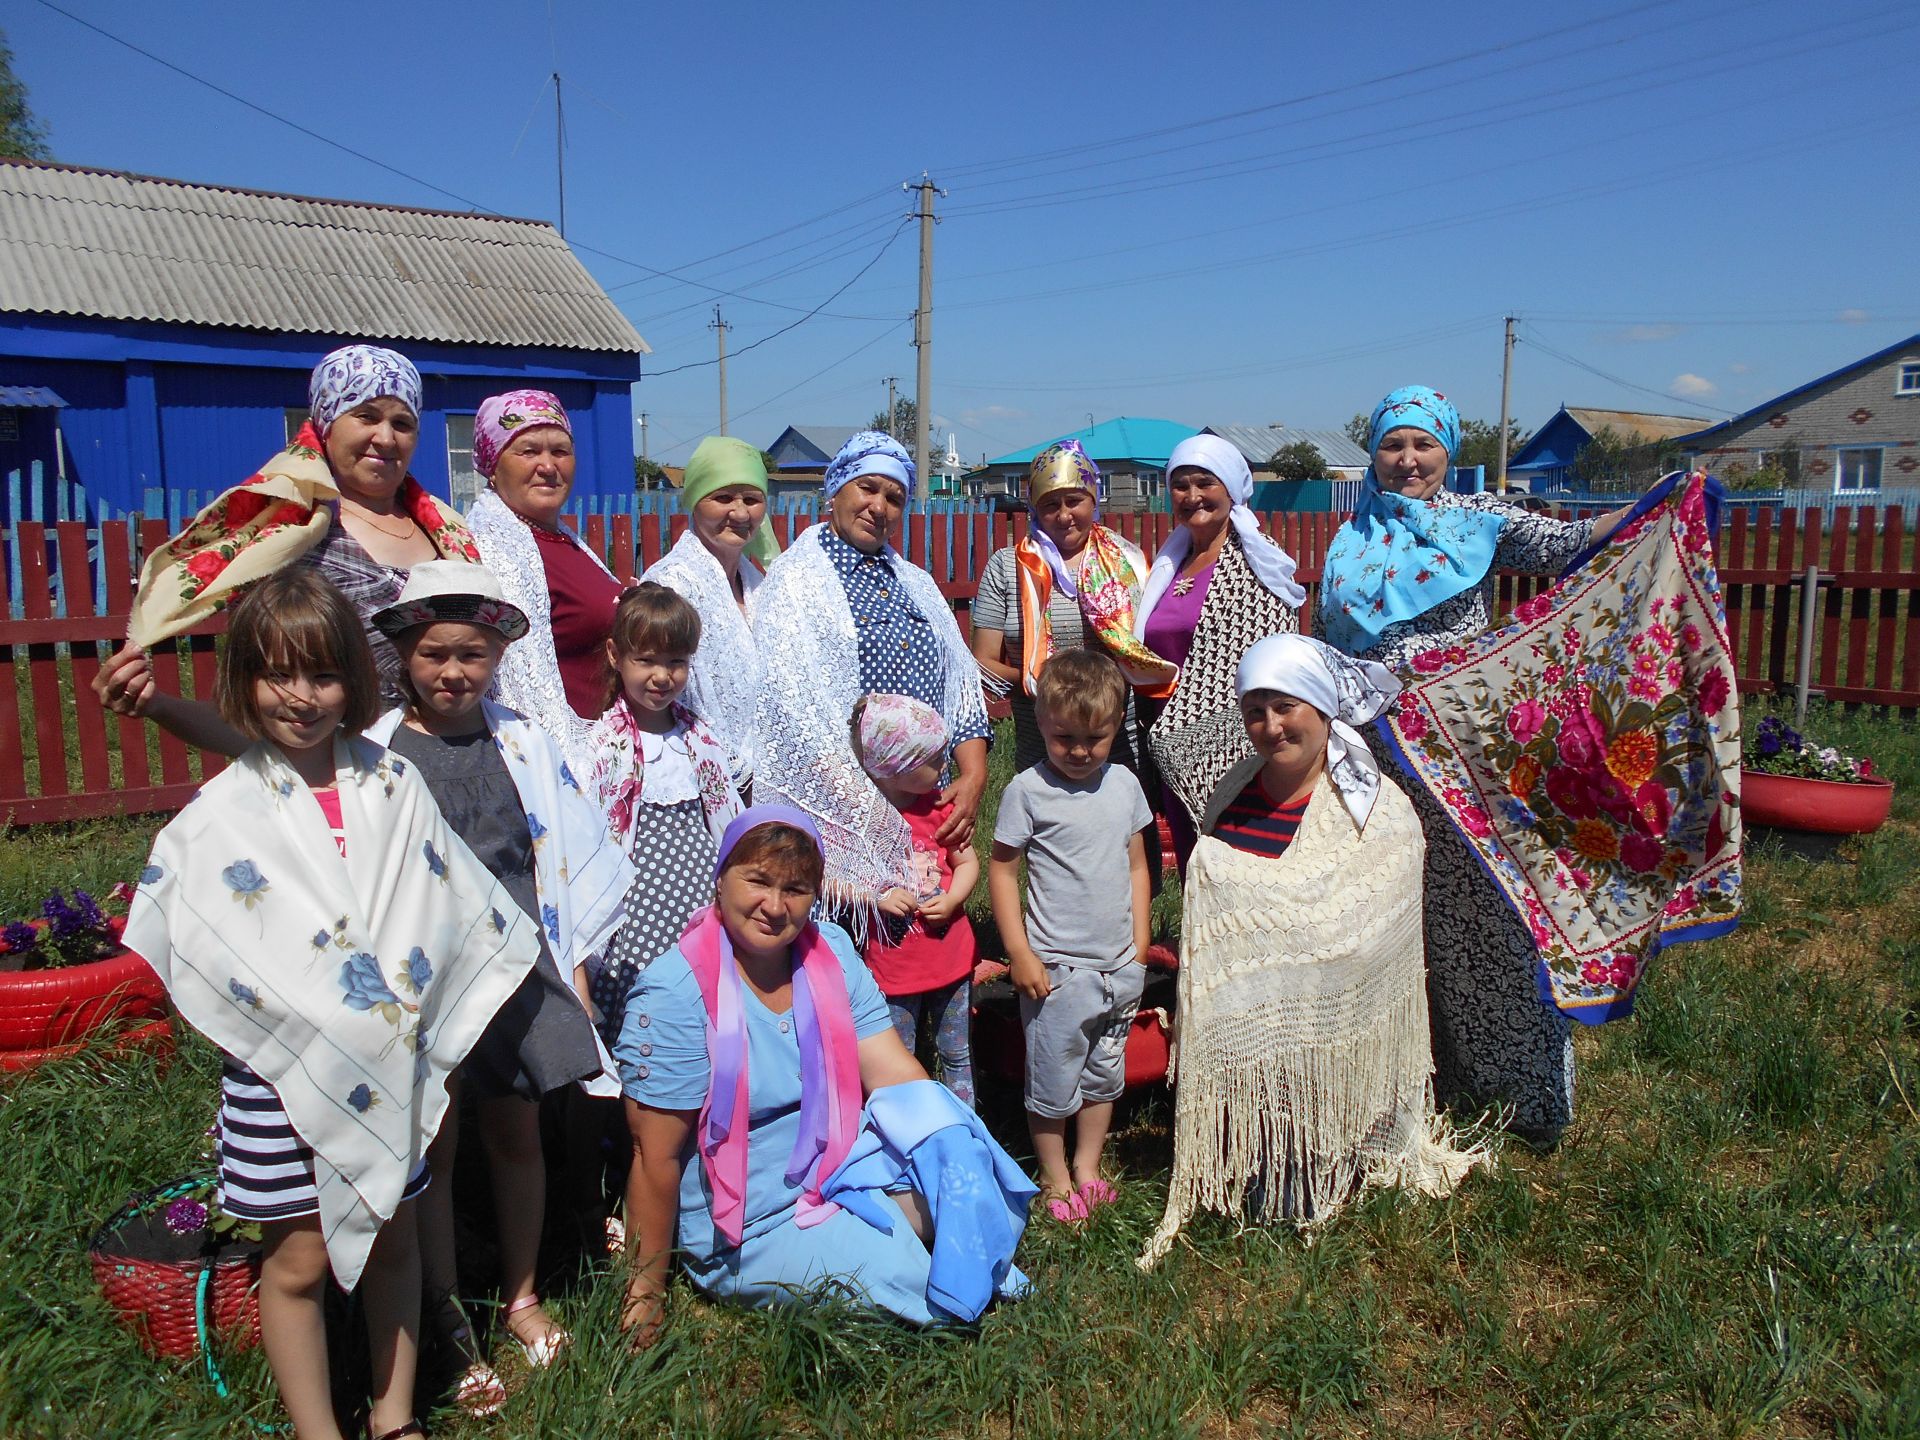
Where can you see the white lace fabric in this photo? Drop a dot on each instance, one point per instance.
(723, 683)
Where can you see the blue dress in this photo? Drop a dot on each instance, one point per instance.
(662, 1052)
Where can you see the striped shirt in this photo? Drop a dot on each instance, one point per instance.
(1256, 824)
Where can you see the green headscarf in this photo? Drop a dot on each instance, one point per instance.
(718, 462)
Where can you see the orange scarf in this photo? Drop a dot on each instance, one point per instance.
(1108, 587)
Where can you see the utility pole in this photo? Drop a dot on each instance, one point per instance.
(1506, 388)
(891, 379)
(720, 328)
(923, 339)
(643, 439)
(560, 150)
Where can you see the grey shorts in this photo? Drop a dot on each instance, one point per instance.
(1077, 1037)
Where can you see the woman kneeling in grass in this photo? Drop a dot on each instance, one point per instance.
(783, 1136)
(1305, 1067)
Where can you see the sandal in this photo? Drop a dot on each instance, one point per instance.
(479, 1392)
(1096, 1193)
(412, 1427)
(545, 1349)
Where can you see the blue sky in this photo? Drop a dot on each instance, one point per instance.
(1708, 199)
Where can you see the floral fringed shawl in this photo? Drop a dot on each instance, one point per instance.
(1589, 753)
(257, 528)
(352, 986)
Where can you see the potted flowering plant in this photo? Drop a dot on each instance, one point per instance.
(179, 1269)
(65, 974)
(1790, 783)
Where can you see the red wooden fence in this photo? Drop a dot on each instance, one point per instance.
(62, 758)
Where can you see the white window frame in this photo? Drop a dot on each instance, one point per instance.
(1840, 455)
(1906, 377)
(293, 417)
(463, 481)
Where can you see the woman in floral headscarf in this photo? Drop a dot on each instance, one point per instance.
(339, 499)
(557, 675)
(1413, 571)
(1069, 582)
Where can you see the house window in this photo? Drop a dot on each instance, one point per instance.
(1909, 382)
(463, 481)
(294, 417)
(1858, 471)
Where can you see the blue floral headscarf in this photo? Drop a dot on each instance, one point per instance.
(870, 452)
(355, 374)
(1397, 557)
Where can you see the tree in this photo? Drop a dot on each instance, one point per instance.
(906, 421)
(647, 475)
(1612, 461)
(1301, 460)
(1480, 443)
(20, 133)
(1358, 430)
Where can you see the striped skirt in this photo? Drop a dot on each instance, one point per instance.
(266, 1169)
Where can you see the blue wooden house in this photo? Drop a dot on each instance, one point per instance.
(161, 332)
(1546, 462)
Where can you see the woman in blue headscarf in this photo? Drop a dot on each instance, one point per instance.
(1412, 571)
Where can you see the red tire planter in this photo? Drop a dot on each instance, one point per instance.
(155, 1037)
(47, 1009)
(1827, 807)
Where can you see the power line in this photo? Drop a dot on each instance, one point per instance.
(775, 335)
(1693, 400)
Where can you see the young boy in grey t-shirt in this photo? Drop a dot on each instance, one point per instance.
(1078, 954)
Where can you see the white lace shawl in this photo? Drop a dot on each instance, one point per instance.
(724, 684)
(528, 679)
(804, 756)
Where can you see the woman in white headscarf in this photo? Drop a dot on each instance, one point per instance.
(1304, 1065)
(1217, 585)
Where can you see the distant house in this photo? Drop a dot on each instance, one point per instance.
(1131, 453)
(1258, 443)
(1855, 430)
(1546, 461)
(809, 449)
(174, 326)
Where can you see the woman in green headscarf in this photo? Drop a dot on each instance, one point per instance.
(717, 565)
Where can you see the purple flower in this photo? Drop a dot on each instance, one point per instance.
(1769, 742)
(19, 937)
(185, 1216)
(62, 919)
(87, 909)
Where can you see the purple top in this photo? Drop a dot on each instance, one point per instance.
(1169, 631)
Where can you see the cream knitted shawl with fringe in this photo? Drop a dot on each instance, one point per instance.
(1302, 1050)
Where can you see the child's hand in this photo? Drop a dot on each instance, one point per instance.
(938, 913)
(898, 903)
(1029, 977)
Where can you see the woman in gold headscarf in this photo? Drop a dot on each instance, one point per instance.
(1071, 582)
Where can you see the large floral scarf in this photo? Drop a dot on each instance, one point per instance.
(1109, 582)
(1199, 736)
(618, 781)
(258, 528)
(528, 679)
(410, 948)
(1589, 754)
(804, 754)
(829, 1072)
(723, 681)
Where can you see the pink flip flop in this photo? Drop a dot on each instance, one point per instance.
(1096, 1193)
(1070, 1211)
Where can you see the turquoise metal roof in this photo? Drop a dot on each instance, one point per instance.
(1125, 438)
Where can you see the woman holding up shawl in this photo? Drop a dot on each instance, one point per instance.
(1412, 576)
(314, 916)
(1217, 585)
(1304, 1064)
(556, 677)
(1070, 582)
(784, 1139)
(843, 614)
(718, 565)
(338, 499)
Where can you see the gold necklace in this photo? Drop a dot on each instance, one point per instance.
(410, 526)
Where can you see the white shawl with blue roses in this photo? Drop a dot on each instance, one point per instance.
(579, 872)
(353, 987)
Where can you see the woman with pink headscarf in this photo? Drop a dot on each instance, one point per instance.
(557, 675)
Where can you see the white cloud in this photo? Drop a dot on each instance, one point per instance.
(1640, 334)
(1693, 386)
(1740, 367)
(988, 414)
(1854, 317)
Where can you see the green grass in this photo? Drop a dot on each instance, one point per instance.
(1726, 1244)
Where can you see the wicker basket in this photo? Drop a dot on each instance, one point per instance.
(173, 1304)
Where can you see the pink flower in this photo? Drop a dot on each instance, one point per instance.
(1476, 821)
(1595, 972)
(1567, 789)
(1714, 691)
(1535, 610)
(1682, 902)
(1652, 809)
(1582, 745)
(1676, 674)
(1455, 654)
(1645, 662)
(1525, 720)
(1640, 853)
(1643, 689)
(1555, 672)
(1570, 640)
(1413, 722)
(1690, 636)
(1427, 662)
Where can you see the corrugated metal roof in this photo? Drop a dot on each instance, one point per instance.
(1258, 443)
(133, 247)
(30, 397)
(1631, 424)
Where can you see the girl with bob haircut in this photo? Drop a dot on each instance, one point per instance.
(337, 1048)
